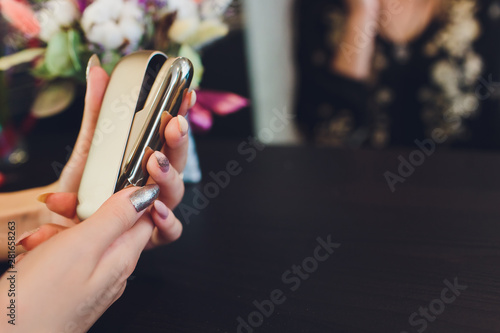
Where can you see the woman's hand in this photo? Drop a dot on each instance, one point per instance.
(167, 227)
(55, 295)
(353, 56)
(369, 7)
(164, 168)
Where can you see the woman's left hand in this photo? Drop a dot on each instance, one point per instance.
(164, 168)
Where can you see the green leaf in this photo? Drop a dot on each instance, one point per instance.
(109, 61)
(41, 72)
(53, 98)
(57, 59)
(20, 58)
(188, 52)
(74, 43)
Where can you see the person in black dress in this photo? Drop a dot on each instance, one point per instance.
(380, 73)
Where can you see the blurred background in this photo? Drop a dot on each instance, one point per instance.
(371, 74)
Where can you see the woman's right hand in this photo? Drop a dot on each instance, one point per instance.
(68, 281)
(353, 57)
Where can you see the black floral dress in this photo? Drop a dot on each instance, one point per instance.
(447, 79)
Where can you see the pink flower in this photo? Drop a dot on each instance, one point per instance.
(20, 16)
(200, 118)
(219, 102)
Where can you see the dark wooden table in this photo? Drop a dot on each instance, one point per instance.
(393, 253)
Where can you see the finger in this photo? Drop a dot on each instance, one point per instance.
(188, 102)
(61, 203)
(176, 131)
(193, 98)
(165, 175)
(177, 141)
(115, 217)
(97, 82)
(44, 233)
(19, 257)
(167, 227)
(122, 255)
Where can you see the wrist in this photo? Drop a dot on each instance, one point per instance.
(361, 26)
(362, 16)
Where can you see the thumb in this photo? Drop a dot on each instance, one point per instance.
(96, 86)
(117, 216)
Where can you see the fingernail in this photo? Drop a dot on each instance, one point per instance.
(18, 258)
(161, 209)
(25, 235)
(183, 125)
(93, 62)
(193, 99)
(163, 162)
(43, 197)
(144, 197)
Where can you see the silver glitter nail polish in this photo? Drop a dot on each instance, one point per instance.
(163, 161)
(145, 196)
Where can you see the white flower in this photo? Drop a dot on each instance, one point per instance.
(107, 34)
(114, 23)
(131, 10)
(132, 31)
(93, 15)
(182, 29)
(55, 15)
(184, 8)
(208, 31)
(214, 8)
(101, 11)
(48, 27)
(197, 23)
(65, 11)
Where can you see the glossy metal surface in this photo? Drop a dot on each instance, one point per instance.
(128, 86)
(163, 103)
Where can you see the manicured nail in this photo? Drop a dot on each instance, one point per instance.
(144, 197)
(161, 209)
(43, 197)
(93, 62)
(163, 162)
(25, 235)
(183, 125)
(193, 99)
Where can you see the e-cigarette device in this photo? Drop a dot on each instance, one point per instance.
(145, 91)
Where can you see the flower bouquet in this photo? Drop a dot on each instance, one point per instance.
(55, 39)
